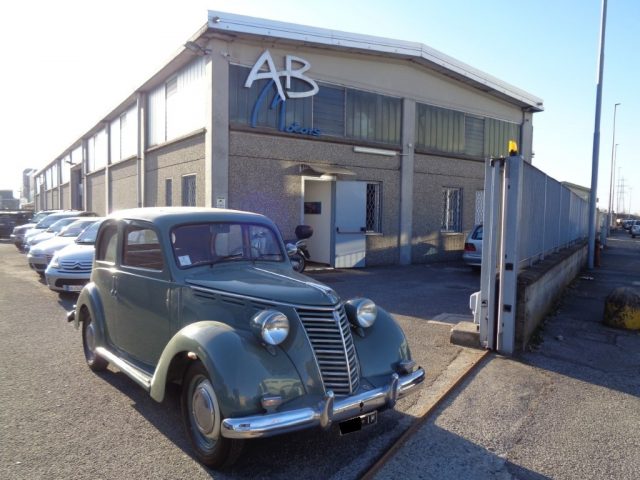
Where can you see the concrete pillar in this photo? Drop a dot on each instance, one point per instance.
(107, 172)
(217, 130)
(406, 179)
(83, 173)
(526, 149)
(142, 146)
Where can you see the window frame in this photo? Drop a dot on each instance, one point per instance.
(377, 209)
(451, 220)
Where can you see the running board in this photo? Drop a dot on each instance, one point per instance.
(139, 376)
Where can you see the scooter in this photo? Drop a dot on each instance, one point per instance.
(297, 249)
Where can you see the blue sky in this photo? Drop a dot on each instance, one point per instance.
(68, 63)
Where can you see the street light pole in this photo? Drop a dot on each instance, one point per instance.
(613, 157)
(596, 145)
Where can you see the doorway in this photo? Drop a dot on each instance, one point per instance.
(317, 213)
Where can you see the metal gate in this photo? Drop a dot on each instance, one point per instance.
(527, 215)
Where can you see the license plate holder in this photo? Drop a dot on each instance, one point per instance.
(72, 288)
(355, 424)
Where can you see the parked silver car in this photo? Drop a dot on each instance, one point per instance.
(473, 247)
(70, 268)
(41, 254)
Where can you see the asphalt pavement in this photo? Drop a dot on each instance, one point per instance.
(567, 408)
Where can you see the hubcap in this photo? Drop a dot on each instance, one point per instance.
(203, 408)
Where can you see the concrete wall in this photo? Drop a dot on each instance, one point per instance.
(183, 157)
(540, 287)
(432, 173)
(96, 193)
(264, 177)
(124, 185)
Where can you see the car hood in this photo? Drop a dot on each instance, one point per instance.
(77, 253)
(269, 285)
(51, 245)
(24, 227)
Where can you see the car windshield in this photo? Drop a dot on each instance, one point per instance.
(212, 243)
(40, 216)
(88, 236)
(48, 221)
(60, 224)
(76, 228)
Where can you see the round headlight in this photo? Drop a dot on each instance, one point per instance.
(362, 312)
(271, 326)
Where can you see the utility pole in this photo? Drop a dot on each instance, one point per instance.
(613, 160)
(596, 144)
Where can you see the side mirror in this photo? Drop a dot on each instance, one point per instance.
(292, 249)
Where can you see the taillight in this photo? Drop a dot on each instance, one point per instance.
(469, 247)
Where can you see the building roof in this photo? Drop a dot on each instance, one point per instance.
(228, 23)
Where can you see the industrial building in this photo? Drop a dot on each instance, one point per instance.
(378, 144)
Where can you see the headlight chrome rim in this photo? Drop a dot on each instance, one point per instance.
(362, 312)
(271, 326)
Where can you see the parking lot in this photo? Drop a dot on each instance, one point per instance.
(60, 420)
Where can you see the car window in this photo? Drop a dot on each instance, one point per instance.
(142, 249)
(108, 245)
(219, 242)
(477, 235)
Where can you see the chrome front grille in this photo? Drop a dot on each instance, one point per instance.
(76, 267)
(330, 336)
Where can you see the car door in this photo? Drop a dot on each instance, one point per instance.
(104, 275)
(144, 322)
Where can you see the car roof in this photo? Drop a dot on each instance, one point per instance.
(169, 216)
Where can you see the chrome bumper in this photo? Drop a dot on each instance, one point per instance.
(328, 410)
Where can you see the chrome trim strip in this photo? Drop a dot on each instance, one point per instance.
(262, 300)
(137, 375)
(327, 411)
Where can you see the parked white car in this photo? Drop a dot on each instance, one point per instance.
(472, 254)
(635, 229)
(70, 268)
(42, 252)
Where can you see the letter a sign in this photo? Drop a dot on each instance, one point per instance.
(288, 73)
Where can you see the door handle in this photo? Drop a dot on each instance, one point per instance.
(114, 286)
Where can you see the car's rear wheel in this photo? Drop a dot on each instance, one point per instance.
(202, 420)
(95, 362)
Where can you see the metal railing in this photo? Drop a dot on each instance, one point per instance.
(551, 217)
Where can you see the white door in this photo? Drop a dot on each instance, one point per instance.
(317, 214)
(351, 221)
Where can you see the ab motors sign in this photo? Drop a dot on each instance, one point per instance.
(280, 81)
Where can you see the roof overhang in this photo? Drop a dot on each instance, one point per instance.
(323, 170)
(232, 24)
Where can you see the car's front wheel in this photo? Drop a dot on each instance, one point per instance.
(202, 420)
(95, 362)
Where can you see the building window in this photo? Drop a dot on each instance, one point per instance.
(168, 192)
(497, 135)
(451, 209)
(328, 111)
(189, 191)
(373, 208)
(334, 110)
(440, 129)
(372, 117)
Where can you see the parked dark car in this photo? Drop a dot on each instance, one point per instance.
(208, 299)
(11, 219)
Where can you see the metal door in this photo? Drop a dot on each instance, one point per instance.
(351, 220)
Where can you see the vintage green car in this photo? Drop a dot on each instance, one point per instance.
(208, 299)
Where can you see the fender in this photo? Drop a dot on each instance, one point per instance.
(242, 370)
(90, 298)
(382, 348)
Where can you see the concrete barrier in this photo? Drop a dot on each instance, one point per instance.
(540, 287)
